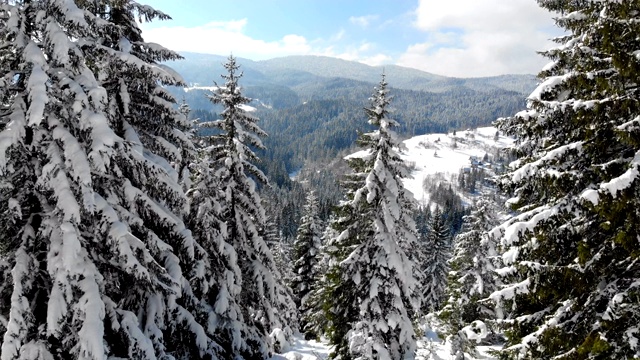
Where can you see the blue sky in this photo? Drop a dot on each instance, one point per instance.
(451, 37)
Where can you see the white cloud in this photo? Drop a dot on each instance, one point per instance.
(363, 21)
(365, 47)
(480, 37)
(364, 53)
(480, 14)
(338, 36)
(377, 60)
(224, 38)
(233, 25)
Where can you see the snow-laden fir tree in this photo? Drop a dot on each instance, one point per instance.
(377, 275)
(102, 263)
(316, 321)
(422, 218)
(220, 294)
(264, 303)
(436, 252)
(472, 278)
(574, 248)
(281, 249)
(189, 153)
(306, 254)
(349, 227)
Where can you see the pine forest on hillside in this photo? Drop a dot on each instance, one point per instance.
(142, 218)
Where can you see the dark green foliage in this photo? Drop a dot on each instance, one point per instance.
(436, 247)
(577, 186)
(351, 227)
(423, 218)
(447, 199)
(472, 278)
(306, 255)
(471, 179)
(318, 302)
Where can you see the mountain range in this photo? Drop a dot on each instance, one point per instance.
(297, 72)
(311, 106)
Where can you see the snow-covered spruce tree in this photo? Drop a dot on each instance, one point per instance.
(436, 248)
(348, 228)
(103, 264)
(263, 301)
(306, 253)
(573, 250)
(189, 154)
(422, 218)
(377, 275)
(281, 249)
(316, 321)
(221, 292)
(472, 278)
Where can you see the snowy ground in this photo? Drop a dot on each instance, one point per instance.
(429, 348)
(445, 154)
(435, 153)
(304, 350)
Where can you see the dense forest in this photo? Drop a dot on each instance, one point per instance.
(144, 217)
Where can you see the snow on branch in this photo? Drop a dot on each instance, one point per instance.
(616, 184)
(531, 169)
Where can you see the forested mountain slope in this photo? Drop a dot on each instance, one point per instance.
(311, 106)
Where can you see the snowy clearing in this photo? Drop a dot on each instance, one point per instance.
(447, 154)
(430, 347)
(304, 350)
(247, 108)
(198, 87)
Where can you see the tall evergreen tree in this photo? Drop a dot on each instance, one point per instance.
(262, 300)
(306, 253)
(317, 322)
(220, 293)
(378, 271)
(349, 227)
(423, 218)
(472, 278)
(281, 249)
(574, 247)
(436, 248)
(102, 263)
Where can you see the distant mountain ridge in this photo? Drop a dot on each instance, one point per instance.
(298, 70)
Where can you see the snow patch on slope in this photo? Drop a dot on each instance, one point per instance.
(198, 87)
(447, 154)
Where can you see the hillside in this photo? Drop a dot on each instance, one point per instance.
(295, 71)
(443, 155)
(439, 158)
(290, 81)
